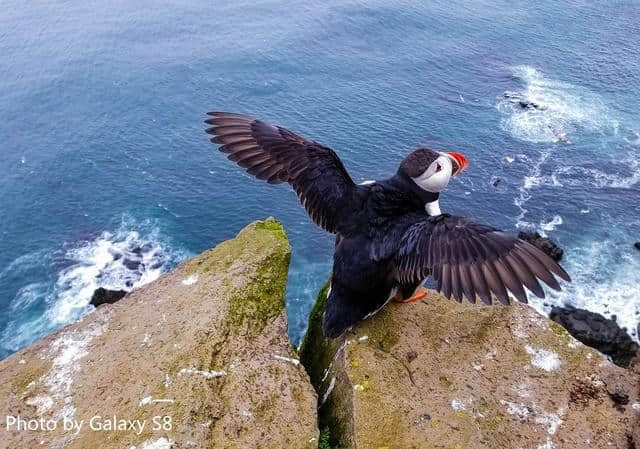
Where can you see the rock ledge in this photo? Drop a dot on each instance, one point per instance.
(205, 346)
(438, 374)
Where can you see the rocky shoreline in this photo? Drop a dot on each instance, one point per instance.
(200, 359)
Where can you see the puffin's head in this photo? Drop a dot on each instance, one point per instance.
(431, 170)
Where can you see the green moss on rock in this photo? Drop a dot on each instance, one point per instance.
(560, 332)
(381, 331)
(263, 298)
(256, 278)
(325, 365)
(325, 440)
(316, 350)
(247, 247)
(32, 372)
(273, 225)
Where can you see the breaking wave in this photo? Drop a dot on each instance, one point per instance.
(605, 277)
(132, 255)
(545, 109)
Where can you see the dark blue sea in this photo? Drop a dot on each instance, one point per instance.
(108, 179)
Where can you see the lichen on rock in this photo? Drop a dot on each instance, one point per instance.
(205, 345)
(438, 374)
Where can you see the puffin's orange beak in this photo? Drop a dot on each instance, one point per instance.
(460, 160)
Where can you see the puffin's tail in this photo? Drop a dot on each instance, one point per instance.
(345, 307)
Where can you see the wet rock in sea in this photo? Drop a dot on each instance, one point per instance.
(596, 331)
(545, 244)
(131, 264)
(140, 249)
(103, 296)
(499, 184)
(637, 245)
(525, 104)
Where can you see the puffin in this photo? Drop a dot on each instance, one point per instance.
(391, 235)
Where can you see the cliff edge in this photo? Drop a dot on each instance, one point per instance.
(197, 359)
(200, 359)
(439, 374)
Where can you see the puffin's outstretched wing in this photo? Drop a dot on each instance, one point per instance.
(277, 155)
(468, 258)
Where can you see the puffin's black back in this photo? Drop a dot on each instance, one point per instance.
(345, 308)
(359, 286)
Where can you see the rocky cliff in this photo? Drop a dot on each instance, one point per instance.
(197, 359)
(438, 374)
(200, 359)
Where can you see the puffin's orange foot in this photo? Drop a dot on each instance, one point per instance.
(421, 293)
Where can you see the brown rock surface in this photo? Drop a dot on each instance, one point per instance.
(438, 374)
(205, 345)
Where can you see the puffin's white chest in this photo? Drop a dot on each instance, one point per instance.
(433, 208)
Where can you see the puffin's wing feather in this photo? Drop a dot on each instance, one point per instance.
(277, 155)
(469, 258)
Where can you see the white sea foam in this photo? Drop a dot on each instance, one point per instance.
(579, 176)
(25, 263)
(605, 273)
(546, 172)
(533, 179)
(121, 260)
(124, 259)
(554, 108)
(551, 224)
(605, 268)
(28, 295)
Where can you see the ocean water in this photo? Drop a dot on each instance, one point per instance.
(107, 178)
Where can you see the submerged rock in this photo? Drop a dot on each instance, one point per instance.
(545, 244)
(132, 264)
(637, 245)
(200, 357)
(438, 374)
(104, 296)
(596, 331)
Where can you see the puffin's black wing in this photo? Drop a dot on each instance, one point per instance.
(467, 258)
(277, 155)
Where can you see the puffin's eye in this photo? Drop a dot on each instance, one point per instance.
(438, 168)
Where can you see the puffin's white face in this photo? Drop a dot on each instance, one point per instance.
(436, 177)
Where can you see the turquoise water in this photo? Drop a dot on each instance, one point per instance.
(107, 178)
